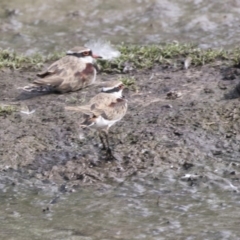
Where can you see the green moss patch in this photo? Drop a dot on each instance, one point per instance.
(13, 60)
(7, 109)
(139, 57)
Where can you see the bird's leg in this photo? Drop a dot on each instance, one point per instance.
(105, 132)
(102, 141)
(109, 150)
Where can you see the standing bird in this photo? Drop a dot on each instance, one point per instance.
(70, 73)
(104, 110)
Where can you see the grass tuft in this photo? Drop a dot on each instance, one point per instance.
(11, 59)
(136, 56)
(146, 57)
(7, 110)
(130, 83)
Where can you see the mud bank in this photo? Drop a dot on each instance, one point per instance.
(180, 124)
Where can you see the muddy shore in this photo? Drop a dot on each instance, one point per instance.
(180, 124)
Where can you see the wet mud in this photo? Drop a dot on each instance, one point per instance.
(180, 123)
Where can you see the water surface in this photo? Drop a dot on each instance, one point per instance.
(142, 208)
(56, 25)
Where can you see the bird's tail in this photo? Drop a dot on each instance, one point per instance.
(88, 115)
(32, 91)
(82, 109)
(38, 88)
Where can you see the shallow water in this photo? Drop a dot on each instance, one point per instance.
(32, 26)
(140, 208)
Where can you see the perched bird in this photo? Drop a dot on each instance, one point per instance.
(71, 73)
(104, 110)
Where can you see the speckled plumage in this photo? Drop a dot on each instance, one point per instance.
(110, 106)
(70, 73)
(104, 110)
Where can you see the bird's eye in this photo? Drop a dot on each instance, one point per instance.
(85, 53)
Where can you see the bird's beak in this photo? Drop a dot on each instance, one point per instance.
(96, 56)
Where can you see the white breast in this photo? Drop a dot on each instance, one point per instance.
(102, 123)
(94, 76)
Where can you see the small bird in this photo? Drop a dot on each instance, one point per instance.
(104, 110)
(71, 73)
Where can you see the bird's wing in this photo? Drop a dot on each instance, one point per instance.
(65, 75)
(105, 105)
(102, 99)
(62, 63)
(108, 106)
(53, 68)
(85, 110)
(116, 109)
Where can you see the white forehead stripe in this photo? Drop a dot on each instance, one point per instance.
(72, 51)
(109, 88)
(69, 52)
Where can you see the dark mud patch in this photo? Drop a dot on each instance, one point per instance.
(180, 124)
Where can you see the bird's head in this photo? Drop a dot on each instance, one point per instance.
(84, 53)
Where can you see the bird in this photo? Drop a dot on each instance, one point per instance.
(71, 73)
(104, 110)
